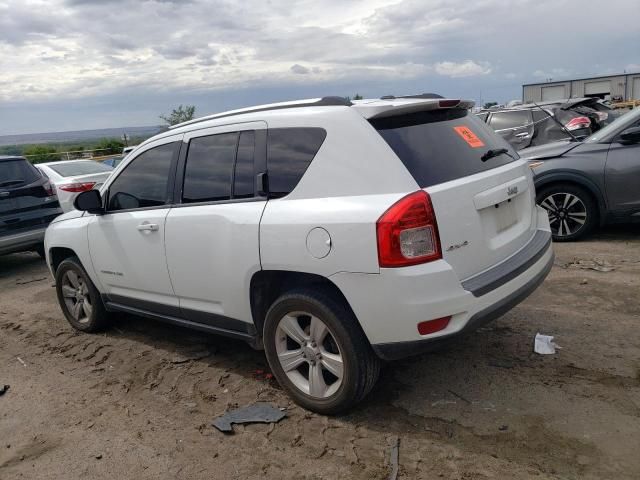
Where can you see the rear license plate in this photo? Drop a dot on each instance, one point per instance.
(506, 215)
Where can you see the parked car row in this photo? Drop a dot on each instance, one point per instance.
(590, 183)
(529, 125)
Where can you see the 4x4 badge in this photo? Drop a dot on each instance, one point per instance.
(512, 190)
(457, 246)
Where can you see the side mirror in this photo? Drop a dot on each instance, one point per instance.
(89, 201)
(630, 135)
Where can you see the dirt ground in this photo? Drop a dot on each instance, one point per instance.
(137, 401)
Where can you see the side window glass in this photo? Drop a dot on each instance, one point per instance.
(502, 120)
(244, 178)
(539, 115)
(144, 182)
(207, 175)
(290, 151)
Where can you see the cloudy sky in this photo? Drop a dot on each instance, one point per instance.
(76, 64)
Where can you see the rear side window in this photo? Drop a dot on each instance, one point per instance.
(503, 120)
(144, 183)
(18, 172)
(243, 177)
(290, 151)
(207, 175)
(539, 115)
(441, 145)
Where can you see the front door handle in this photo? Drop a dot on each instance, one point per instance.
(522, 135)
(148, 227)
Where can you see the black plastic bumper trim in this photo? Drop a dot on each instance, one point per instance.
(512, 267)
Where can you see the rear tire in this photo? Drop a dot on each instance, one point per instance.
(318, 352)
(78, 297)
(573, 213)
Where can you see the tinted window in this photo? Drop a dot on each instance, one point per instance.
(14, 173)
(502, 120)
(539, 115)
(144, 182)
(72, 169)
(290, 151)
(441, 145)
(243, 180)
(207, 175)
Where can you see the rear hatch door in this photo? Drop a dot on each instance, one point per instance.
(485, 208)
(26, 200)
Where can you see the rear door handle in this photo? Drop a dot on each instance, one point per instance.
(148, 227)
(522, 135)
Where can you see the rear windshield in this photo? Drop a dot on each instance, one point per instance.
(14, 173)
(74, 169)
(441, 145)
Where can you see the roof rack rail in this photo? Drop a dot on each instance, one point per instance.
(422, 95)
(320, 102)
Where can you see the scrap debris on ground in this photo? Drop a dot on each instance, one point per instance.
(260, 412)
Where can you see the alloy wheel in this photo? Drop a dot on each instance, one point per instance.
(567, 213)
(309, 354)
(76, 296)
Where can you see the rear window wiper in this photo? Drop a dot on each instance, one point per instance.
(11, 182)
(495, 152)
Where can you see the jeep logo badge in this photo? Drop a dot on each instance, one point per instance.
(512, 190)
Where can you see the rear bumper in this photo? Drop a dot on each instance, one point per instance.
(21, 241)
(397, 350)
(389, 305)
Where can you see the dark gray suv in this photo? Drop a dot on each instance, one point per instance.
(28, 203)
(590, 183)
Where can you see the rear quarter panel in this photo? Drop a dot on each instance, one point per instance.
(354, 178)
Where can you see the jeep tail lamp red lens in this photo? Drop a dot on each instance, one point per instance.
(408, 233)
(433, 326)
(77, 187)
(578, 122)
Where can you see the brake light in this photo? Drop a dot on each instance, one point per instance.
(77, 187)
(408, 233)
(448, 103)
(578, 122)
(49, 188)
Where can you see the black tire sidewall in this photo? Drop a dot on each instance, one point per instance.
(585, 198)
(325, 310)
(95, 320)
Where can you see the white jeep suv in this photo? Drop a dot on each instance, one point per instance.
(332, 234)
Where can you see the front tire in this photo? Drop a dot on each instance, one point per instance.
(572, 211)
(79, 299)
(318, 352)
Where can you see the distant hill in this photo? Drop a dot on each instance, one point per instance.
(78, 136)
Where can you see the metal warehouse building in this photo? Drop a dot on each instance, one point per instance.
(615, 87)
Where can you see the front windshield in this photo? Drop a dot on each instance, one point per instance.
(614, 127)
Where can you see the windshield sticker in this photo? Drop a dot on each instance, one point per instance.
(469, 137)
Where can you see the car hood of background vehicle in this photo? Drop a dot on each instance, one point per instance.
(550, 150)
(68, 216)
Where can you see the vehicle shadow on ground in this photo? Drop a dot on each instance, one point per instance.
(20, 264)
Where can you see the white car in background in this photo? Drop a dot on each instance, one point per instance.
(74, 176)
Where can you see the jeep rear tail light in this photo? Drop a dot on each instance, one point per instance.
(77, 187)
(578, 122)
(49, 188)
(408, 233)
